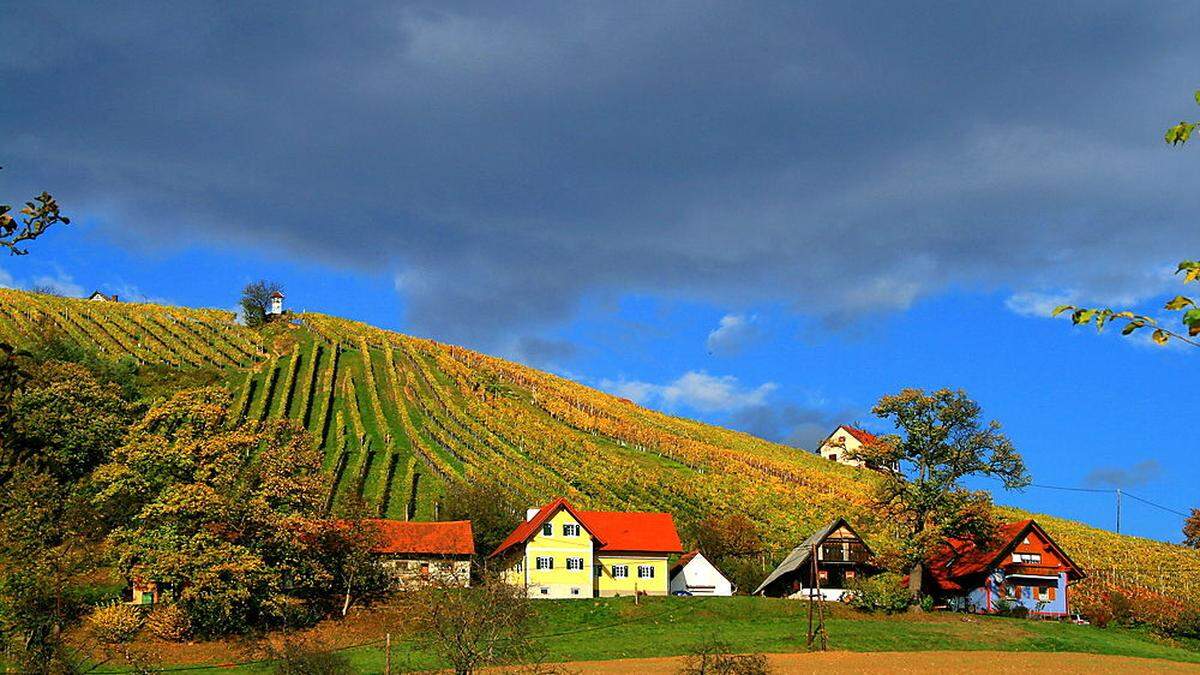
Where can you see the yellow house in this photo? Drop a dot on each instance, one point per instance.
(562, 552)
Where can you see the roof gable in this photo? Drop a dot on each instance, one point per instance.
(526, 530)
(961, 558)
(860, 435)
(614, 531)
(800, 555)
(695, 559)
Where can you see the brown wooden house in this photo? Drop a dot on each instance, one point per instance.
(828, 560)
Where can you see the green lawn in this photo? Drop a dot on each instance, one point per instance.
(573, 630)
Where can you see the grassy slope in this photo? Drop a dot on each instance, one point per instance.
(615, 628)
(450, 414)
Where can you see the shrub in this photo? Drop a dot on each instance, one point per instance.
(169, 622)
(713, 657)
(881, 593)
(115, 623)
(302, 658)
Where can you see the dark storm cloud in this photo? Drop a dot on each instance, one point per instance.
(505, 160)
(797, 425)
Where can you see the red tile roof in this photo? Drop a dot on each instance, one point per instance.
(614, 531)
(960, 558)
(453, 537)
(862, 436)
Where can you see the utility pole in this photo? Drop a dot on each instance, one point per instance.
(814, 597)
(1118, 510)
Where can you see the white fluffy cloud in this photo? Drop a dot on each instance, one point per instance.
(697, 390)
(732, 334)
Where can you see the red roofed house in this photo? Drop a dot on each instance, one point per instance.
(563, 552)
(414, 551)
(1023, 567)
(843, 439)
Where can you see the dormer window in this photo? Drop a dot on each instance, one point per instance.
(1027, 558)
(571, 529)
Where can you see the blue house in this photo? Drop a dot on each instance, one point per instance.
(1022, 566)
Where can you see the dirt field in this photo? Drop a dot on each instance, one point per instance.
(911, 662)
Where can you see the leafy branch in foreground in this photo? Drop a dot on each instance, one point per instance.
(1180, 133)
(37, 216)
(1081, 316)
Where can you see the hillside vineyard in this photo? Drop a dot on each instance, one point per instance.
(398, 418)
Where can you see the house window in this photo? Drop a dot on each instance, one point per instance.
(620, 571)
(545, 591)
(575, 564)
(547, 529)
(599, 571)
(1027, 558)
(545, 563)
(833, 458)
(445, 567)
(849, 574)
(1045, 593)
(645, 571)
(520, 567)
(574, 591)
(571, 530)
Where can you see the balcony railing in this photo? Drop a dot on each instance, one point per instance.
(847, 553)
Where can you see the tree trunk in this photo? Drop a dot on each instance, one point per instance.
(915, 576)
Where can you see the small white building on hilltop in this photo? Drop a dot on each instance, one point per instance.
(276, 304)
(97, 296)
(694, 574)
(843, 439)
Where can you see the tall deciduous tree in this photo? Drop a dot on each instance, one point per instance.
(942, 441)
(1191, 529)
(492, 516)
(212, 511)
(256, 301)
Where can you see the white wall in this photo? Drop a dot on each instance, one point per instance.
(699, 577)
(832, 447)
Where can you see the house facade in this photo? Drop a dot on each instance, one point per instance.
(416, 552)
(563, 552)
(693, 574)
(821, 566)
(842, 441)
(1023, 567)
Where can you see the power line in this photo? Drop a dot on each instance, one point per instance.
(1111, 491)
(1157, 506)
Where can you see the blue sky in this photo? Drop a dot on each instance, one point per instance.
(763, 216)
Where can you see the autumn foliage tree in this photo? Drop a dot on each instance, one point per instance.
(211, 511)
(1191, 529)
(942, 441)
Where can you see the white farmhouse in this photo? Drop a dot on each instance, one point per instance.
(845, 438)
(694, 574)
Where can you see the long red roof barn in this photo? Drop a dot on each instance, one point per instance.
(452, 537)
